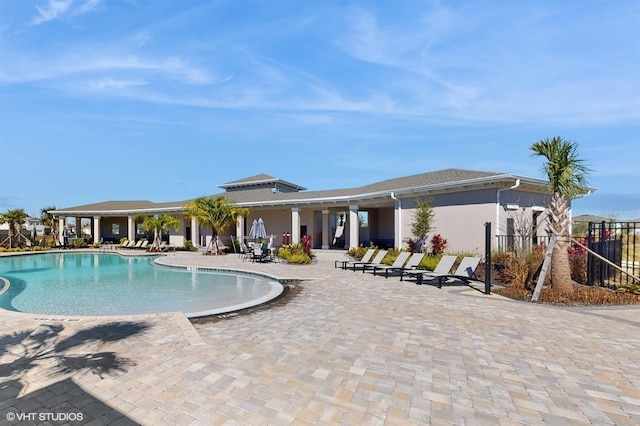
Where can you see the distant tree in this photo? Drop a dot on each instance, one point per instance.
(49, 220)
(567, 175)
(158, 225)
(218, 213)
(15, 218)
(423, 220)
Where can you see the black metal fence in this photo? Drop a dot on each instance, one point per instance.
(619, 243)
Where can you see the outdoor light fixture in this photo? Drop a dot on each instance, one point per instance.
(512, 206)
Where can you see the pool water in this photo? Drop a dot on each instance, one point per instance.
(109, 284)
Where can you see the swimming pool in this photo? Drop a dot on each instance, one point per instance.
(109, 284)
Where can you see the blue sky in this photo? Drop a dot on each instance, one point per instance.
(163, 100)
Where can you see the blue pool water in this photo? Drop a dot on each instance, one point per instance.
(109, 284)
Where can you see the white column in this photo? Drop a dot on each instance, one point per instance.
(397, 226)
(131, 229)
(195, 232)
(295, 225)
(325, 229)
(96, 229)
(62, 222)
(354, 227)
(240, 228)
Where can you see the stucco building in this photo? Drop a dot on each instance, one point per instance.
(381, 212)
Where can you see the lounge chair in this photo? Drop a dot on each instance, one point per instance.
(377, 260)
(345, 263)
(136, 245)
(464, 272)
(143, 246)
(398, 263)
(443, 267)
(411, 265)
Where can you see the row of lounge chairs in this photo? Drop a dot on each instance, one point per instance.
(407, 265)
(143, 245)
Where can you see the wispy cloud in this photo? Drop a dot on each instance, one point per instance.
(23, 68)
(108, 84)
(55, 9)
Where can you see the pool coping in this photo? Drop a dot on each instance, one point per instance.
(271, 296)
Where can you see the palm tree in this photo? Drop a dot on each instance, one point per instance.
(218, 213)
(567, 175)
(15, 218)
(47, 219)
(159, 225)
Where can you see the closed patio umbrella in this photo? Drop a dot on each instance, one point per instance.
(253, 230)
(261, 232)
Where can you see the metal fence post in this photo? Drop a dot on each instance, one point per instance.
(487, 258)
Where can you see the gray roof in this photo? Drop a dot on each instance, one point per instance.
(424, 183)
(260, 180)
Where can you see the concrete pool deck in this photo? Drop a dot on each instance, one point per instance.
(340, 347)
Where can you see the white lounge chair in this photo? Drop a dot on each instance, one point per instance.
(443, 267)
(377, 260)
(398, 264)
(464, 272)
(365, 258)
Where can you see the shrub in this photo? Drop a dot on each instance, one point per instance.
(305, 243)
(299, 258)
(411, 246)
(438, 244)
(80, 243)
(580, 296)
(578, 263)
(294, 253)
(188, 246)
(391, 256)
(358, 252)
(632, 288)
(430, 262)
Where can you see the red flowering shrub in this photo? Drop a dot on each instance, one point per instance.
(438, 244)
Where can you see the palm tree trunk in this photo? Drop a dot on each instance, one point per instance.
(559, 226)
(560, 268)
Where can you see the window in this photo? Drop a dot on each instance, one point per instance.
(115, 229)
(363, 219)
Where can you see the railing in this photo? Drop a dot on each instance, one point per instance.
(619, 244)
(513, 243)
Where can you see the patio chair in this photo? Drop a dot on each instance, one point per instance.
(245, 253)
(377, 260)
(260, 253)
(397, 263)
(464, 272)
(144, 245)
(345, 263)
(443, 267)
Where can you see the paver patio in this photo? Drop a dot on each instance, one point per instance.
(339, 348)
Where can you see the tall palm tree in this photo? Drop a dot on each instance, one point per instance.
(218, 213)
(47, 219)
(567, 175)
(15, 218)
(159, 225)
